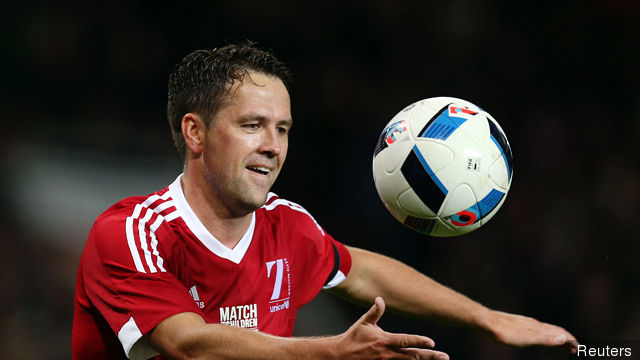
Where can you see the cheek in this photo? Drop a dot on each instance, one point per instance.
(221, 160)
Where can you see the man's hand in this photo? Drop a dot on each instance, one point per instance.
(366, 340)
(521, 331)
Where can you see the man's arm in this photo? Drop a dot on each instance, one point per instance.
(187, 336)
(407, 291)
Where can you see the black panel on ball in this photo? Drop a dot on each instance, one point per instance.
(422, 183)
(502, 142)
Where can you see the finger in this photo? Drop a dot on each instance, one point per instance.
(561, 337)
(375, 313)
(567, 340)
(410, 341)
(572, 345)
(423, 354)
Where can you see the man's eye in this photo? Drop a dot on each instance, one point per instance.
(251, 126)
(283, 130)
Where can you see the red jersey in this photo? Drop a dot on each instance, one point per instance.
(148, 258)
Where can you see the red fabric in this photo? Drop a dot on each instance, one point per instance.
(286, 264)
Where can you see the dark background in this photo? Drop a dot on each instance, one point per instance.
(83, 97)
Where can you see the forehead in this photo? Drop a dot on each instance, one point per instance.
(259, 84)
(259, 92)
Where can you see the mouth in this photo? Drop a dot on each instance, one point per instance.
(259, 170)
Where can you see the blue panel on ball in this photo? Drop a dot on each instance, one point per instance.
(479, 210)
(489, 202)
(423, 180)
(442, 125)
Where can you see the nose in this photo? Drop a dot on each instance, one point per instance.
(271, 144)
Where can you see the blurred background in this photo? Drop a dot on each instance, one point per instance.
(83, 99)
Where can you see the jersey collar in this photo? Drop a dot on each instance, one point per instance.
(200, 231)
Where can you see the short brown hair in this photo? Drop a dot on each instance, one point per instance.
(203, 78)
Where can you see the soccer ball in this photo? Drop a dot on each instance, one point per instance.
(443, 166)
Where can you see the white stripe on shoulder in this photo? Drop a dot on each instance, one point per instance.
(154, 243)
(172, 216)
(153, 198)
(142, 224)
(270, 195)
(149, 239)
(131, 240)
(292, 206)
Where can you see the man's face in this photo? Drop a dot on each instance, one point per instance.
(247, 143)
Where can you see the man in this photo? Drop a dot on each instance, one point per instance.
(167, 274)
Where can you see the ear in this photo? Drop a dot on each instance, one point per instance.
(194, 131)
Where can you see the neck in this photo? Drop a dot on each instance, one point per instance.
(214, 215)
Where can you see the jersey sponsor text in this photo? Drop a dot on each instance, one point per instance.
(244, 316)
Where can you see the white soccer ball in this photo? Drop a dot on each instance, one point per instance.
(443, 166)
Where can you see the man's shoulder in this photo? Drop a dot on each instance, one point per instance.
(135, 221)
(276, 204)
(289, 213)
(132, 207)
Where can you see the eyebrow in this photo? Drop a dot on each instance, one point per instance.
(288, 122)
(257, 117)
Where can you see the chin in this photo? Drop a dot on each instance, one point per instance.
(253, 203)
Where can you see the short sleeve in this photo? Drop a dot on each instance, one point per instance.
(124, 268)
(341, 265)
